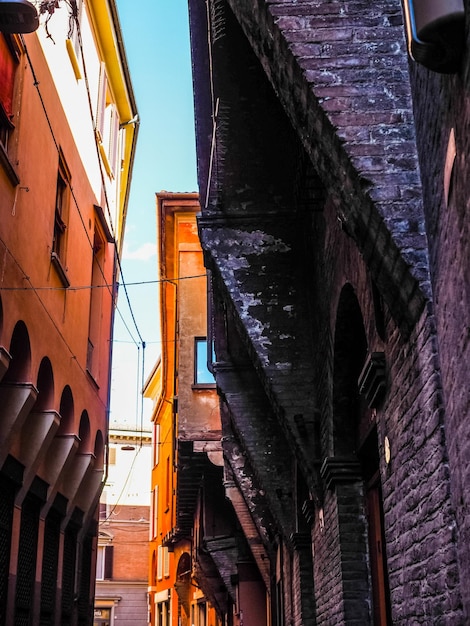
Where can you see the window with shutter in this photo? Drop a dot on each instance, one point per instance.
(154, 513)
(61, 215)
(160, 562)
(166, 562)
(104, 562)
(101, 104)
(108, 562)
(9, 63)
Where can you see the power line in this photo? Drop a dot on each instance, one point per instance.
(106, 285)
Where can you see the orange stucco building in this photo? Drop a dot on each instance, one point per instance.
(186, 419)
(66, 155)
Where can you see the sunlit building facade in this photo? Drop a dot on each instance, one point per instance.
(66, 157)
(186, 421)
(123, 538)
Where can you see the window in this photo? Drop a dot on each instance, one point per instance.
(104, 562)
(154, 513)
(96, 303)
(202, 375)
(166, 562)
(201, 611)
(9, 63)
(160, 562)
(99, 293)
(162, 614)
(163, 562)
(5, 129)
(104, 507)
(167, 485)
(61, 212)
(107, 125)
(156, 452)
(59, 224)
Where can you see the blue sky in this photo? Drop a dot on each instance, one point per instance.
(156, 38)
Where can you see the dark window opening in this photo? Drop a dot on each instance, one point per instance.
(9, 63)
(59, 223)
(61, 210)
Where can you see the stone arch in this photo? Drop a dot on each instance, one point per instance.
(19, 370)
(84, 433)
(45, 386)
(355, 472)
(183, 583)
(66, 411)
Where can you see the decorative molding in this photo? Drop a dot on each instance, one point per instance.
(372, 381)
(308, 510)
(338, 471)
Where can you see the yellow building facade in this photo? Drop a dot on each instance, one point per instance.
(186, 420)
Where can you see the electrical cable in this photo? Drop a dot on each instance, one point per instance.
(82, 287)
(103, 182)
(123, 487)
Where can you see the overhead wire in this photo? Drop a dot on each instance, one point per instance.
(90, 242)
(82, 287)
(103, 181)
(106, 285)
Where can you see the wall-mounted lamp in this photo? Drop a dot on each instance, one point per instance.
(18, 16)
(436, 33)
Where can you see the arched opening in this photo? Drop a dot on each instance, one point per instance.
(99, 450)
(349, 355)
(355, 437)
(84, 433)
(66, 411)
(19, 370)
(45, 386)
(182, 586)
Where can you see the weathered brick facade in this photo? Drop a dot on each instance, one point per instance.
(334, 228)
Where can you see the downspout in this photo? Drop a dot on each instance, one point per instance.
(175, 409)
(110, 362)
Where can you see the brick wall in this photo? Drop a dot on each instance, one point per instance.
(442, 106)
(283, 258)
(129, 528)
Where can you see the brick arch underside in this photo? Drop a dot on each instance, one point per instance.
(42, 477)
(340, 72)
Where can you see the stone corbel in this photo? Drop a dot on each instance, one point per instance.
(372, 379)
(339, 471)
(16, 401)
